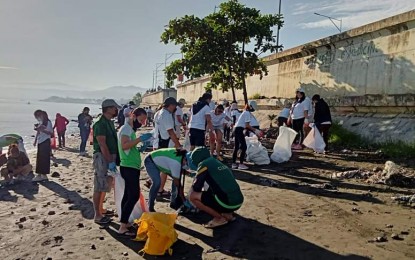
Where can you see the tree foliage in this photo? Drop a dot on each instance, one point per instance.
(216, 45)
(137, 99)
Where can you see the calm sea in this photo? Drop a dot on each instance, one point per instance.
(16, 116)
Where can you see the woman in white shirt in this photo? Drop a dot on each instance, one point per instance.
(243, 123)
(299, 117)
(44, 131)
(218, 120)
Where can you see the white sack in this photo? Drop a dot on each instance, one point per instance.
(139, 207)
(315, 141)
(256, 153)
(282, 147)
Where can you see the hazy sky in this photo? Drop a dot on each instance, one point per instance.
(94, 44)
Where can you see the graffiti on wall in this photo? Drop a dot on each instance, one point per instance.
(352, 51)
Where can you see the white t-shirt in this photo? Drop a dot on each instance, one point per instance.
(308, 105)
(217, 120)
(126, 130)
(298, 110)
(284, 113)
(164, 122)
(235, 113)
(42, 136)
(165, 162)
(179, 112)
(198, 121)
(254, 122)
(244, 118)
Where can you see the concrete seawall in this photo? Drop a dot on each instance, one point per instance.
(366, 74)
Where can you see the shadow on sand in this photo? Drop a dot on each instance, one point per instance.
(250, 239)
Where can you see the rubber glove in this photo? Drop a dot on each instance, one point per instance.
(143, 148)
(187, 204)
(306, 122)
(258, 133)
(112, 167)
(145, 137)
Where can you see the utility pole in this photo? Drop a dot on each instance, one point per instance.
(331, 19)
(166, 58)
(279, 27)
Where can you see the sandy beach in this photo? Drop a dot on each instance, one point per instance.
(287, 214)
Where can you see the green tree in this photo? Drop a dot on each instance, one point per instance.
(216, 45)
(137, 99)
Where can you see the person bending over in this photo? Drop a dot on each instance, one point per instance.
(223, 197)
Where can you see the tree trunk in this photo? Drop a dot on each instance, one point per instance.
(233, 93)
(231, 83)
(243, 74)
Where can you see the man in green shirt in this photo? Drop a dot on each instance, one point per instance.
(105, 150)
(223, 196)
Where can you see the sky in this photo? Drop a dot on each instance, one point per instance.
(95, 44)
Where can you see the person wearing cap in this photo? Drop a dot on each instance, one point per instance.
(254, 122)
(169, 162)
(299, 117)
(130, 165)
(200, 121)
(223, 196)
(127, 111)
(179, 122)
(164, 125)
(104, 158)
(243, 123)
(84, 124)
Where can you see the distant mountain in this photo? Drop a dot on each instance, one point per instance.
(37, 93)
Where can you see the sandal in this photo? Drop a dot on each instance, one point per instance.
(164, 194)
(214, 224)
(109, 212)
(104, 220)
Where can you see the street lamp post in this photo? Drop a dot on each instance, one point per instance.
(279, 27)
(166, 58)
(158, 65)
(331, 19)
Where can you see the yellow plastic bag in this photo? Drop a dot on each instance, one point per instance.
(158, 230)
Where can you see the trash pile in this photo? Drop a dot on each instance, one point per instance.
(271, 133)
(391, 175)
(405, 199)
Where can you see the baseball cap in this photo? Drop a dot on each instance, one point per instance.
(300, 90)
(110, 103)
(170, 101)
(253, 104)
(182, 101)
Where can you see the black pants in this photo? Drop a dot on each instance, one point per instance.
(61, 139)
(240, 143)
(197, 137)
(298, 127)
(324, 131)
(227, 133)
(131, 192)
(43, 157)
(282, 121)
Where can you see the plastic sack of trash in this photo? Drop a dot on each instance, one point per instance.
(139, 208)
(157, 229)
(255, 152)
(186, 144)
(314, 140)
(282, 147)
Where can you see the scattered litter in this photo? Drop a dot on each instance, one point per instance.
(325, 186)
(405, 199)
(353, 174)
(125, 253)
(268, 182)
(381, 239)
(396, 237)
(389, 226)
(93, 247)
(308, 213)
(405, 233)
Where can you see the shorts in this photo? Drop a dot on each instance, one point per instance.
(208, 199)
(102, 182)
(220, 128)
(197, 137)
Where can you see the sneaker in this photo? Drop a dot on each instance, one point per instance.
(234, 166)
(40, 177)
(242, 167)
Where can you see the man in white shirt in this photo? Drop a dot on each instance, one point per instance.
(200, 120)
(164, 125)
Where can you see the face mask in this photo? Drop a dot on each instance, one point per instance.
(39, 120)
(136, 124)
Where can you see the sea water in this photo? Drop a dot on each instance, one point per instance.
(16, 117)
